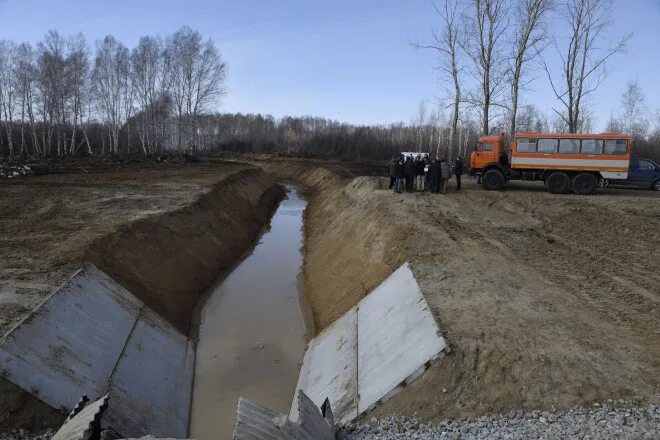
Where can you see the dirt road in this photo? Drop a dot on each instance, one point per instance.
(546, 300)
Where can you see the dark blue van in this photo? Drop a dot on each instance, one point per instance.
(643, 172)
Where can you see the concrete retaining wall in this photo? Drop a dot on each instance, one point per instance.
(92, 336)
(377, 347)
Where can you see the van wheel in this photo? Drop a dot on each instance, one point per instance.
(585, 184)
(558, 183)
(656, 185)
(493, 180)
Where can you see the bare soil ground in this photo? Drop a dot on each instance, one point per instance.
(546, 300)
(49, 223)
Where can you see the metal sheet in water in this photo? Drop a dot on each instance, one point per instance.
(397, 335)
(70, 344)
(80, 426)
(329, 369)
(150, 389)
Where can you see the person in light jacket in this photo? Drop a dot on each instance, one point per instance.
(392, 165)
(445, 174)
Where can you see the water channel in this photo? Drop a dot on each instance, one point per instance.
(252, 334)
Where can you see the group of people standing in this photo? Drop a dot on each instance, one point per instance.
(421, 173)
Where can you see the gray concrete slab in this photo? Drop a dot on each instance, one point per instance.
(397, 336)
(70, 344)
(368, 354)
(151, 387)
(329, 369)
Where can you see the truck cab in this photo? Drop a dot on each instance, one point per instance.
(488, 152)
(643, 173)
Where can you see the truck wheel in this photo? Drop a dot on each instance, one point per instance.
(656, 185)
(585, 184)
(558, 183)
(493, 180)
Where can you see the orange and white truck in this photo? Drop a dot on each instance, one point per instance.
(564, 162)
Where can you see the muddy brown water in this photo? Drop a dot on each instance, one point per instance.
(252, 334)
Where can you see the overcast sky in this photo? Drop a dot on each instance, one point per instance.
(346, 60)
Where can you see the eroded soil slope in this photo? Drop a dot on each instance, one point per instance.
(50, 224)
(546, 300)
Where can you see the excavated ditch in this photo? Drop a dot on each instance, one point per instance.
(252, 333)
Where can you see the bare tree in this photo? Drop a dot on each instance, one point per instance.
(446, 43)
(197, 79)
(149, 77)
(111, 73)
(530, 35)
(77, 66)
(583, 62)
(24, 77)
(486, 24)
(8, 88)
(633, 111)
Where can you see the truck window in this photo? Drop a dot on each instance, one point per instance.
(569, 146)
(547, 145)
(616, 146)
(592, 146)
(526, 145)
(646, 165)
(485, 147)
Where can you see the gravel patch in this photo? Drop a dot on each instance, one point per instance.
(22, 434)
(612, 420)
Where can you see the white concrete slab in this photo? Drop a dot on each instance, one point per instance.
(363, 358)
(151, 388)
(329, 369)
(69, 346)
(397, 336)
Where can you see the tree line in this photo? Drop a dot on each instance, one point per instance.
(61, 97)
(490, 51)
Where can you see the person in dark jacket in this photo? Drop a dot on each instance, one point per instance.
(400, 174)
(392, 171)
(433, 176)
(410, 176)
(419, 173)
(458, 171)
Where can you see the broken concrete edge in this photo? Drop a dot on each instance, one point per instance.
(408, 380)
(255, 422)
(82, 425)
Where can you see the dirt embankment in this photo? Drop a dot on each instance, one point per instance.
(547, 301)
(169, 260)
(165, 234)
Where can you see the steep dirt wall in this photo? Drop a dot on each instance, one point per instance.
(337, 224)
(523, 283)
(169, 260)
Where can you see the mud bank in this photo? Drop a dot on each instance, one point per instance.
(347, 251)
(165, 236)
(168, 261)
(538, 312)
